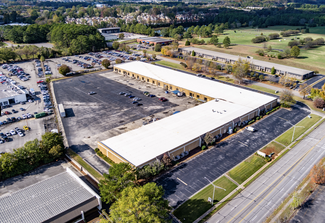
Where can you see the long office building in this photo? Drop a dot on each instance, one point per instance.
(226, 107)
(256, 64)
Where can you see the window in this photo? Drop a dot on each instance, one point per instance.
(198, 96)
(147, 80)
(153, 82)
(191, 94)
(205, 99)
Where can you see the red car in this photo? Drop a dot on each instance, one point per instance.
(163, 99)
(41, 81)
(7, 113)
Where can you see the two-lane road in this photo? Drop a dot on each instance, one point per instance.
(258, 200)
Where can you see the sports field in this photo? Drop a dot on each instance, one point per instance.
(312, 59)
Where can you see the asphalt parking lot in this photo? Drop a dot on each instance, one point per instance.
(314, 79)
(319, 85)
(313, 209)
(89, 115)
(188, 178)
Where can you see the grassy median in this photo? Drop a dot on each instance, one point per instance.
(301, 127)
(246, 169)
(272, 147)
(198, 204)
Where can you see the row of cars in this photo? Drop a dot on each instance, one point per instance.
(15, 119)
(147, 93)
(46, 96)
(79, 63)
(16, 131)
(15, 70)
(39, 68)
(135, 100)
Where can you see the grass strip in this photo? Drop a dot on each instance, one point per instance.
(272, 147)
(197, 205)
(293, 145)
(85, 165)
(259, 88)
(262, 171)
(306, 123)
(220, 206)
(246, 168)
(108, 160)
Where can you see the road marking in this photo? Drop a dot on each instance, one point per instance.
(243, 143)
(181, 181)
(283, 119)
(253, 200)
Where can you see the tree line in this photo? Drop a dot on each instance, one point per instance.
(31, 155)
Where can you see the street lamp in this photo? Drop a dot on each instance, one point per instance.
(214, 189)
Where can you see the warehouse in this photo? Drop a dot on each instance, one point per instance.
(109, 30)
(10, 94)
(263, 66)
(227, 106)
(60, 198)
(154, 40)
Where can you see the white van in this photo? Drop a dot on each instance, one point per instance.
(251, 129)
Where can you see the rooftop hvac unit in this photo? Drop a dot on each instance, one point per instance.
(216, 100)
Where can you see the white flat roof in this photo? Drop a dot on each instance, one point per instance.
(260, 63)
(147, 142)
(196, 84)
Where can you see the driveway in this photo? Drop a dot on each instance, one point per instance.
(187, 179)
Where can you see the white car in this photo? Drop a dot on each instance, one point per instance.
(12, 132)
(20, 134)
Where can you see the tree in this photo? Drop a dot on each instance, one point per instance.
(286, 98)
(319, 103)
(121, 36)
(121, 176)
(175, 45)
(208, 138)
(106, 63)
(64, 69)
(293, 43)
(193, 53)
(154, 56)
(317, 173)
(304, 89)
(158, 47)
(187, 35)
(295, 51)
(296, 201)
(269, 48)
(240, 69)
(56, 151)
(214, 40)
(190, 62)
(187, 43)
(226, 42)
(167, 160)
(141, 204)
(116, 45)
(42, 59)
(118, 61)
(273, 71)
(261, 77)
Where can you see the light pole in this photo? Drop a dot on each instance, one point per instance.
(214, 189)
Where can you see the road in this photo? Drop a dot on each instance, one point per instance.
(256, 202)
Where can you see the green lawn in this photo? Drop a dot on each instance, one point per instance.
(259, 88)
(272, 147)
(286, 138)
(311, 59)
(246, 169)
(198, 204)
(170, 64)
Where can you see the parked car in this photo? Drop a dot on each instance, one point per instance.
(91, 93)
(163, 99)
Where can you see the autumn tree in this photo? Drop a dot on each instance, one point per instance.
(241, 69)
(208, 138)
(64, 69)
(106, 63)
(319, 103)
(286, 98)
(190, 62)
(141, 204)
(317, 173)
(304, 89)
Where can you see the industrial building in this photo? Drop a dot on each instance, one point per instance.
(60, 198)
(227, 107)
(298, 73)
(110, 30)
(154, 40)
(10, 94)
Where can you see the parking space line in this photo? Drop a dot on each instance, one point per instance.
(243, 143)
(283, 119)
(181, 181)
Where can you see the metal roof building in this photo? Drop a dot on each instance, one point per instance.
(58, 199)
(154, 40)
(258, 64)
(178, 134)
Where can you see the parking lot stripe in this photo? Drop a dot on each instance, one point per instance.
(283, 119)
(181, 181)
(243, 143)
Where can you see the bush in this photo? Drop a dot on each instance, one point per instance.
(260, 52)
(100, 154)
(203, 147)
(117, 61)
(187, 43)
(274, 36)
(106, 63)
(158, 48)
(280, 56)
(183, 64)
(64, 69)
(259, 39)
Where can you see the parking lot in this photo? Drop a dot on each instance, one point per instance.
(89, 115)
(188, 178)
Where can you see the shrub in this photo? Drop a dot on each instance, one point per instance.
(280, 56)
(187, 43)
(117, 61)
(106, 63)
(158, 48)
(100, 154)
(260, 52)
(183, 64)
(203, 147)
(64, 69)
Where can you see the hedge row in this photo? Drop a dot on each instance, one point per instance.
(274, 109)
(99, 153)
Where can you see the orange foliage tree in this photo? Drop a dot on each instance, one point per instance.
(317, 173)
